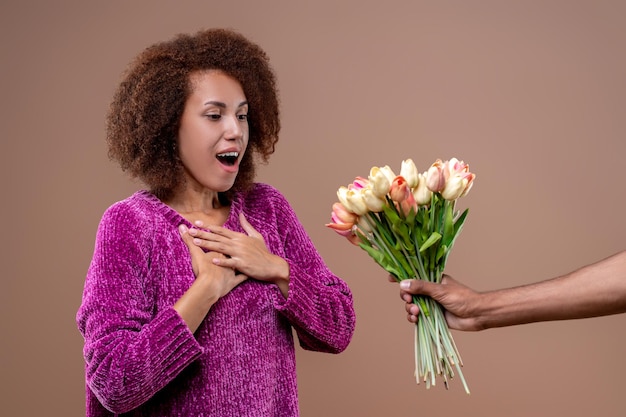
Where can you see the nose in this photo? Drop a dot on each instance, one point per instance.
(233, 128)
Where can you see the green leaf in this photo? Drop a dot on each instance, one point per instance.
(391, 214)
(448, 224)
(376, 254)
(432, 239)
(441, 251)
(458, 224)
(402, 231)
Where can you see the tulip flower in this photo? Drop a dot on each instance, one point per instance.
(469, 184)
(343, 222)
(399, 190)
(454, 166)
(342, 193)
(372, 201)
(359, 183)
(341, 215)
(407, 223)
(435, 178)
(408, 204)
(356, 203)
(379, 182)
(421, 193)
(458, 179)
(364, 225)
(408, 170)
(457, 186)
(388, 173)
(402, 195)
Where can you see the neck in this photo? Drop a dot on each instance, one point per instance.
(189, 201)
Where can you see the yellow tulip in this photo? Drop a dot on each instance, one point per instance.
(388, 173)
(379, 182)
(421, 193)
(372, 201)
(356, 203)
(342, 196)
(408, 170)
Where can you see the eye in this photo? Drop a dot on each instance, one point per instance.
(242, 117)
(214, 116)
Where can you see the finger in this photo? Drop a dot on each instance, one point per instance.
(406, 296)
(225, 262)
(247, 227)
(215, 231)
(412, 309)
(239, 278)
(187, 238)
(201, 234)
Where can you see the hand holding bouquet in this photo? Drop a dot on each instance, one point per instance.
(408, 224)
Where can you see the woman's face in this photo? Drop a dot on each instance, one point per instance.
(213, 133)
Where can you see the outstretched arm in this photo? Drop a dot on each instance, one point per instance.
(598, 289)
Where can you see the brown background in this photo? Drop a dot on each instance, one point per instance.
(530, 93)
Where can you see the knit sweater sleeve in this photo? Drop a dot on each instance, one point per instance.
(319, 304)
(132, 349)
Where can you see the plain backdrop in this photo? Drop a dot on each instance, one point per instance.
(530, 93)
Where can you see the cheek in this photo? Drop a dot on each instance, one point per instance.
(246, 139)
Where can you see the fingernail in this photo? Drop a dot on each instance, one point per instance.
(182, 228)
(193, 232)
(405, 284)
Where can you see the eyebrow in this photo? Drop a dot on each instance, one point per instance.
(223, 105)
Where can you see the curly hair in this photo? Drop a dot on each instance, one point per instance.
(144, 116)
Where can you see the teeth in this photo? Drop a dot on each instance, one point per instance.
(228, 154)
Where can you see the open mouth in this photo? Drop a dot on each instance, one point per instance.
(228, 158)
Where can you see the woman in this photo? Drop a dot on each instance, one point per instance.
(197, 282)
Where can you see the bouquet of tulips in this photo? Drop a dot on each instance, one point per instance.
(408, 224)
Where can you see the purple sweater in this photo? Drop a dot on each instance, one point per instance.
(142, 360)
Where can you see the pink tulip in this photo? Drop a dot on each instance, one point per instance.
(359, 183)
(344, 223)
(408, 204)
(399, 190)
(454, 167)
(435, 177)
(470, 183)
(342, 219)
(458, 179)
(342, 214)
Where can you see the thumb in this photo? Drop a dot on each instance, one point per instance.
(239, 278)
(418, 287)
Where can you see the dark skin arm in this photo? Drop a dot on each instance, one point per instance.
(598, 289)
